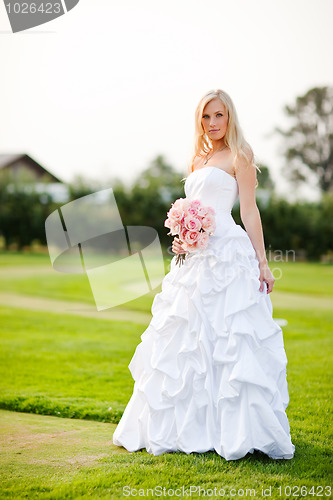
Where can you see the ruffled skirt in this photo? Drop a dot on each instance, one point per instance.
(210, 372)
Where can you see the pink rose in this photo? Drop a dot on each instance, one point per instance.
(191, 237)
(175, 228)
(208, 223)
(202, 241)
(203, 211)
(167, 222)
(192, 223)
(196, 204)
(175, 214)
(192, 211)
(211, 211)
(181, 204)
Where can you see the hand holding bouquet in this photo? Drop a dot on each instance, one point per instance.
(193, 222)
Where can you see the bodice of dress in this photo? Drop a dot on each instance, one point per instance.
(216, 188)
(212, 186)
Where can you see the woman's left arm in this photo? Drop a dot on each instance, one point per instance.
(250, 215)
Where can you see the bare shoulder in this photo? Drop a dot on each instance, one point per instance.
(244, 159)
(246, 176)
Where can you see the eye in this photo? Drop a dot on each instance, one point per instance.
(204, 116)
(219, 114)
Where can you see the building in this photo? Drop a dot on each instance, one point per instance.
(24, 170)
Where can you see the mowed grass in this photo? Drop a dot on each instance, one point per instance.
(34, 276)
(69, 366)
(51, 458)
(65, 366)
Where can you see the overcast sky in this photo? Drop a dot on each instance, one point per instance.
(105, 88)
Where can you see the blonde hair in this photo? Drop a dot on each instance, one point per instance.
(234, 137)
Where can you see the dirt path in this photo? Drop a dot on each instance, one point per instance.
(73, 308)
(283, 300)
(31, 436)
(40, 449)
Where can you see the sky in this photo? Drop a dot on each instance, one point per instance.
(104, 89)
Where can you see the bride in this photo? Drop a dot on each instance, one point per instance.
(210, 371)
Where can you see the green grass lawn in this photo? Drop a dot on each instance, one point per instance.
(69, 366)
(51, 458)
(66, 366)
(34, 276)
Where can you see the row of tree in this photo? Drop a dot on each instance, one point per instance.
(303, 228)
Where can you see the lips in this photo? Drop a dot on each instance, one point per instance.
(214, 130)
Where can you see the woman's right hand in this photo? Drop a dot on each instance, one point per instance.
(176, 246)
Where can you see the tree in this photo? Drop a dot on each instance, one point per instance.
(265, 180)
(161, 181)
(22, 214)
(151, 196)
(309, 141)
(82, 186)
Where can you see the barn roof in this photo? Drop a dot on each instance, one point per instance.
(7, 160)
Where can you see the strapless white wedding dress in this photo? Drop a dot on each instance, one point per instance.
(210, 372)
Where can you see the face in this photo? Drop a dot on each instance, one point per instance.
(215, 120)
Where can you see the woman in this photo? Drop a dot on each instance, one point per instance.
(210, 372)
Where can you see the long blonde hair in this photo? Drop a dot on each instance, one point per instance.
(234, 137)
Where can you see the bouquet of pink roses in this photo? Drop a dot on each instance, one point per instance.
(193, 222)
